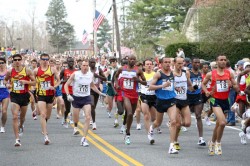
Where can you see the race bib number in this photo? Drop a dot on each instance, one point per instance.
(196, 82)
(128, 84)
(180, 90)
(222, 86)
(170, 87)
(45, 85)
(84, 89)
(1, 84)
(18, 85)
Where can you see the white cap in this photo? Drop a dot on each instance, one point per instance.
(246, 64)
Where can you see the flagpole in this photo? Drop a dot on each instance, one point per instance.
(94, 32)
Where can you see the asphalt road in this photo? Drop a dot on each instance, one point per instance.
(107, 146)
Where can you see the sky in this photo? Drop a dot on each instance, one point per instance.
(80, 12)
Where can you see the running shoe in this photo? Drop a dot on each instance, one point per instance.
(65, 124)
(151, 130)
(127, 140)
(159, 130)
(243, 138)
(138, 126)
(122, 130)
(172, 150)
(17, 143)
(94, 126)
(84, 142)
(91, 122)
(109, 114)
(201, 142)
(20, 131)
(34, 115)
(46, 140)
(217, 149)
(151, 138)
(76, 131)
(177, 146)
(2, 130)
(248, 132)
(183, 129)
(116, 124)
(207, 121)
(211, 147)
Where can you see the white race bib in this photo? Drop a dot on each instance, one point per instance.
(1, 84)
(128, 84)
(45, 85)
(222, 86)
(18, 85)
(197, 82)
(170, 87)
(181, 90)
(83, 89)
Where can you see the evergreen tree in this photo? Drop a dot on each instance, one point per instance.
(104, 36)
(61, 32)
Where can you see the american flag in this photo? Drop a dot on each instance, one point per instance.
(84, 37)
(98, 20)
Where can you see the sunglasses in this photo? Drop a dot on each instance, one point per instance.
(45, 59)
(1, 63)
(17, 59)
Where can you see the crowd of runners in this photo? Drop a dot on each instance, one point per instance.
(176, 87)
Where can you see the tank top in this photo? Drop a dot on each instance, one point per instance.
(67, 73)
(2, 86)
(96, 80)
(208, 86)
(16, 86)
(81, 84)
(220, 84)
(181, 84)
(45, 79)
(129, 86)
(196, 80)
(144, 88)
(167, 92)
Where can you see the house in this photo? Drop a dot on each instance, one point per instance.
(79, 49)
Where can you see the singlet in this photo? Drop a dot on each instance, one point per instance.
(181, 84)
(196, 79)
(111, 75)
(96, 80)
(66, 74)
(220, 84)
(16, 86)
(167, 92)
(81, 84)
(45, 79)
(144, 88)
(128, 84)
(2, 86)
(208, 86)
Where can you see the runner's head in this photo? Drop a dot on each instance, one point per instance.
(148, 65)
(17, 60)
(166, 63)
(178, 63)
(92, 63)
(131, 60)
(44, 59)
(85, 66)
(195, 64)
(70, 62)
(113, 61)
(221, 61)
(2, 62)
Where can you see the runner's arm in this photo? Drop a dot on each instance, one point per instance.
(69, 81)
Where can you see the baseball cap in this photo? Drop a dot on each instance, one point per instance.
(246, 64)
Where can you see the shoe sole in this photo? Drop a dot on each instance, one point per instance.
(17, 145)
(76, 133)
(203, 144)
(46, 142)
(93, 128)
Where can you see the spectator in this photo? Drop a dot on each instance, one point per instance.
(180, 53)
(187, 63)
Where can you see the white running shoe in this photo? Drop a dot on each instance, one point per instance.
(172, 150)
(84, 142)
(207, 120)
(138, 126)
(151, 138)
(122, 130)
(20, 131)
(243, 126)
(76, 131)
(17, 143)
(94, 126)
(109, 114)
(46, 140)
(151, 130)
(243, 138)
(71, 122)
(2, 130)
(201, 142)
(248, 132)
(184, 129)
(65, 124)
(159, 130)
(91, 122)
(127, 140)
(116, 124)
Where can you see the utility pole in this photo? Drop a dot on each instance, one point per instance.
(94, 32)
(118, 45)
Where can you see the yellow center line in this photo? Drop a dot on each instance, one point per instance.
(111, 147)
(121, 162)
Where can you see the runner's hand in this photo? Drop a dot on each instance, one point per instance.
(103, 94)
(70, 98)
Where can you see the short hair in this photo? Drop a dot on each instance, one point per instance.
(112, 59)
(79, 60)
(33, 60)
(222, 54)
(44, 54)
(147, 60)
(17, 55)
(3, 59)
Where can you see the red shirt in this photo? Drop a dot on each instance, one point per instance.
(67, 73)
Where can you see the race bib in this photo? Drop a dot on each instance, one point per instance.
(18, 85)
(222, 86)
(1, 84)
(208, 84)
(45, 85)
(170, 87)
(84, 89)
(196, 82)
(128, 84)
(180, 90)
